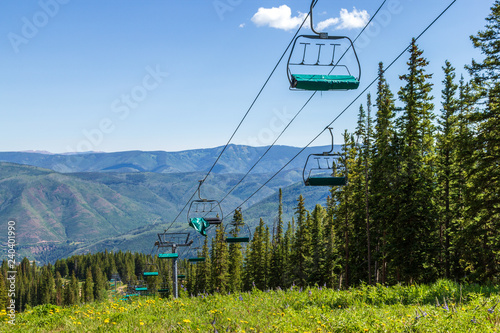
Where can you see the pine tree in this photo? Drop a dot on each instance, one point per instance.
(100, 284)
(255, 260)
(343, 213)
(447, 156)
(465, 243)
(482, 195)
(301, 260)
(3, 293)
(318, 244)
(46, 286)
(235, 257)
(333, 259)
(72, 291)
(204, 270)
(219, 262)
(277, 269)
(88, 287)
(382, 175)
(414, 243)
(59, 294)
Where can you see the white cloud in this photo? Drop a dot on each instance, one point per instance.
(323, 25)
(354, 19)
(242, 25)
(279, 18)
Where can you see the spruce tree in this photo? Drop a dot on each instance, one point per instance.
(482, 195)
(88, 287)
(382, 175)
(235, 265)
(219, 262)
(59, 293)
(414, 244)
(277, 269)
(301, 260)
(3, 293)
(204, 270)
(318, 244)
(100, 284)
(447, 152)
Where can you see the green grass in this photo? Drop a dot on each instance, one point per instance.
(469, 308)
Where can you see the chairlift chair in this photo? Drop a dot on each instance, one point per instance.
(203, 213)
(237, 232)
(330, 169)
(315, 66)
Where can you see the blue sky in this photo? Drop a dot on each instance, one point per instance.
(173, 75)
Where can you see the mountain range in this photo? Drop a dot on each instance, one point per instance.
(65, 204)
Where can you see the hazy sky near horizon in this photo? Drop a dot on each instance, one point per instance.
(173, 75)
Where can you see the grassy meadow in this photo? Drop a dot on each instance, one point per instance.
(441, 307)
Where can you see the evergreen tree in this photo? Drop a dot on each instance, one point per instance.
(219, 262)
(235, 256)
(59, 293)
(100, 284)
(333, 267)
(88, 287)
(482, 195)
(414, 244)
(204, 270)
(3, 293)
(255, 260)
(382, 174)
(447, 152)
(46, 286)
(277, 269)
(301, 260)
(344, 212)
(72, 291)
(318, 244)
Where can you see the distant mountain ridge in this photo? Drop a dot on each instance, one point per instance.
(59, 213)
(236, 159)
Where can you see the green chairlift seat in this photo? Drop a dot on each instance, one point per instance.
(141, 289)
(163, 290)
(150, 274)
(326, 181)
(324, 82)
(213, 220)
(237, 239)
(181, 276)
(198, 259)
(168, 255)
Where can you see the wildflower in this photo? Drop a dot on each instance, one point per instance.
(473, 320)
(187, 321)
(241, 298)
(141, 323)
